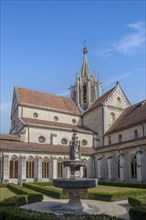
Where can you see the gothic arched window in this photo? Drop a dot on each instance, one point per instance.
(118, 167)
(84, 93)
(30, 168)
(59, 168)
(14, 167)
(45, 168)
(133, 166)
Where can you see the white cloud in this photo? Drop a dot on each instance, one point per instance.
(108, 82)
(128, 43)
(64, 93)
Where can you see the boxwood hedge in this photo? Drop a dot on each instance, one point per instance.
(138, 212)
(32, 195)
(122, 184)
(16, 213)
(15, 201)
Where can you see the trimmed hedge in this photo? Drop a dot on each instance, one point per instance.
(32, 195)
(15, 201)
(16, 213)
(138, 212)
(122, 184)
(3, 185)
(50, 191)
(50, 183)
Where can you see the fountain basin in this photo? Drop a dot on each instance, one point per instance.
(75, 183)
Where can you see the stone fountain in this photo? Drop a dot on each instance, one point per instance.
(75, 185)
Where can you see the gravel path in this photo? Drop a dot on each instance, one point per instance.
(118, 209)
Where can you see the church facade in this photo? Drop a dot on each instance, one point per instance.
(112, 133)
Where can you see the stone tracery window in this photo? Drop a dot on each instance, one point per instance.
(45, 168)
(14, 167)
(133, 167)
(59, 168)
(30, 168)
(84, 94)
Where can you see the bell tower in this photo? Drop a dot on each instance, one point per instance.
(84, 91)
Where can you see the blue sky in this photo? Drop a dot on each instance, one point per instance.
(42, 42)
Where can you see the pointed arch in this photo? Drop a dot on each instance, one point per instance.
(133, 166)
(30, 167)
(60, 167)
(45, 167)
(13, 167)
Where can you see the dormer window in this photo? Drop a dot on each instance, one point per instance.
(120, 138)
(35, 115)
(136, 133)
(56, 118)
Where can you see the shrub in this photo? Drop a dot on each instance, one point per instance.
(50, 183)
(15, 201)
(15, 213)
(50, 191)
(138, 212)
(32, 195)
(122, 184)
(3, 185)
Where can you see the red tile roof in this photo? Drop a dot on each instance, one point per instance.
(99, 101)
(10, 137)
(14, 146)
(132, 116)
(37, 122)
(45, 100)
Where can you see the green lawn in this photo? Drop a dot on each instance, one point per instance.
(5, 193)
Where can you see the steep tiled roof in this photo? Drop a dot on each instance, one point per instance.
(140, 142)
(132, 116)
(9, 137)
(14, 146)
(45, 100)
(30, 121)
(99, 101)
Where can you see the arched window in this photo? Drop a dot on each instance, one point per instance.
(113, 117)
(59, 168)
(14, 167)
(118, 167)
(84, 93)
(133, 166)
(0, 168)
(45, 168)
(30, 168)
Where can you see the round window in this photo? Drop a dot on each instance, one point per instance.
(64, 141)
(35, 115)
(56, 118)
(84, 142)
(41, 139)
(74, 120)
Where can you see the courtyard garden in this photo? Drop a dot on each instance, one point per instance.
(12, 196)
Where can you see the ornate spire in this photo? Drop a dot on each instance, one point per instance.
(99, 86)
(85, 68)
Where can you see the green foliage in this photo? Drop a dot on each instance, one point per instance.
(138, 212)
(15, 213)
(47, 190)
(137, 200)
(3, 185)
(50, 183)
(15, 201)
(32, 195)
(122, 184)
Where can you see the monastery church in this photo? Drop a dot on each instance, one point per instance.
(111, 131)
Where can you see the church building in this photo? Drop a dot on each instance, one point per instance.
(112, 133)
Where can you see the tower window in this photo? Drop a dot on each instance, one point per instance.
(136, 133)
(84, 94)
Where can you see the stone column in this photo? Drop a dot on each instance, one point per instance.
(122, 161)
(100, 168)
(140, 160)
(5, 169)
(38, 169)
(53, 168)
(110, 168)
(22, 169)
